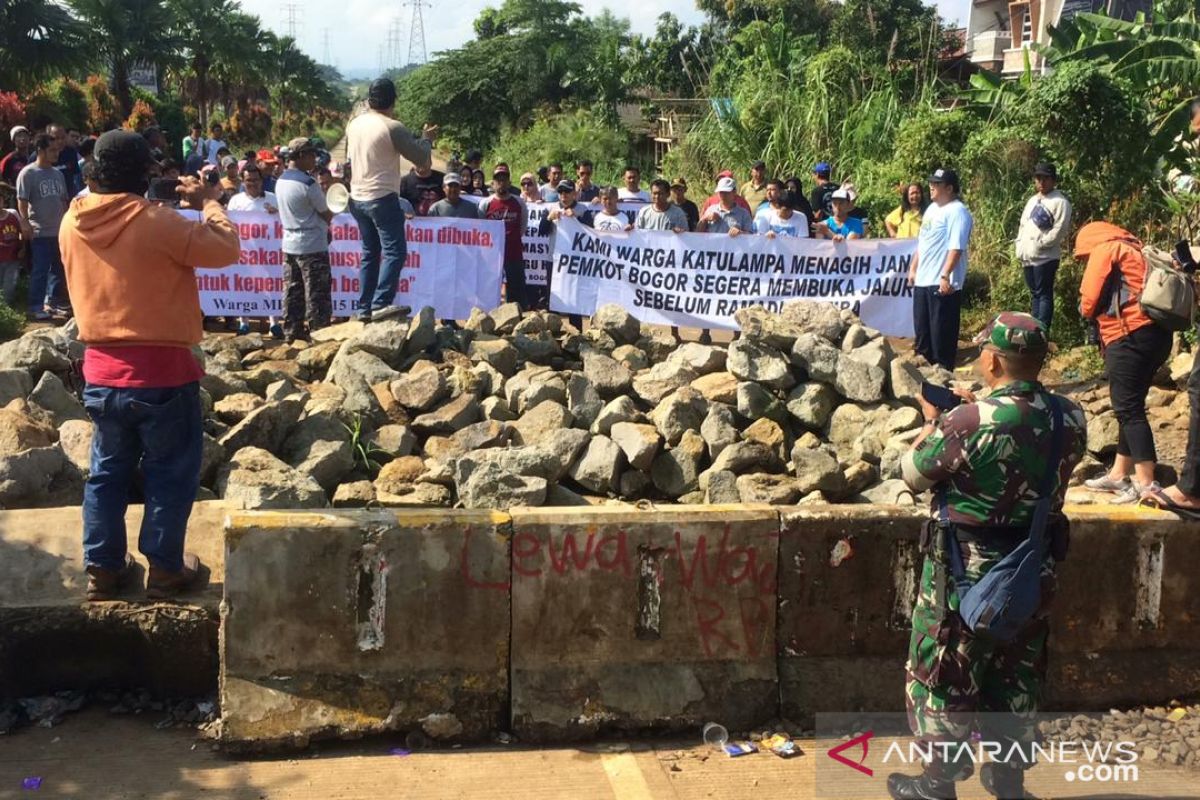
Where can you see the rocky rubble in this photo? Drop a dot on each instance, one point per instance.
(808, 405)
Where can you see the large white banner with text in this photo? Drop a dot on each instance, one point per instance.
(453, 265)
(699, 279)
(537, 245)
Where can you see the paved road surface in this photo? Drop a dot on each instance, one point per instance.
(95, 756)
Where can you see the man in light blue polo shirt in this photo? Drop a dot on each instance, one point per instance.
(938, 269)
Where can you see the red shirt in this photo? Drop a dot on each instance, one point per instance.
(508, 210)
(10, 234)
(11, 166)
(140, 366)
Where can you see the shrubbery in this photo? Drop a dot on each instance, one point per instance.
(566, 138)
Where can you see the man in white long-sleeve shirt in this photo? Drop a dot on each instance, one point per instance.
(1045, 225)
(374, 143)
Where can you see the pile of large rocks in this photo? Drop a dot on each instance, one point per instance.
(509, 409)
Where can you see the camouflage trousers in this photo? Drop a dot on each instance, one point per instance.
(953, 676)
(307, 293)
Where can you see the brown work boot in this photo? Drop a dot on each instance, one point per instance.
(163, 585)
(106, 584)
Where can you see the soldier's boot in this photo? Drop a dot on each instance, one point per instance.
(1005, 783)
(920, 787)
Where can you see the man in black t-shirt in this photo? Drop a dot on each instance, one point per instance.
(821, 198)
(422, 187)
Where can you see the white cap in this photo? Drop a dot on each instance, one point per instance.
(12, 134)
(452, 177)
(841, 194)
(726, 185)
(851, 192)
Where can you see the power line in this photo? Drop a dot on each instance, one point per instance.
(290, 22)
(416, 32)
(394, 38)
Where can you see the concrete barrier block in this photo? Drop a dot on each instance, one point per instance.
(632, 620)
(347, 623)
(848, 579)
(52, 639)
(1126, 618)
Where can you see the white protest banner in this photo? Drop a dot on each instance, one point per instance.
(537, 245)
(699, 280)
(453, 265)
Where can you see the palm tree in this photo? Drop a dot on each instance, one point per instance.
(38, 40)
(204, 28)
(128, 31)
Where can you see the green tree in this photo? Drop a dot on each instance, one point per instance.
(123, 32)
(671, 60)
(38, 40)
(889, 30)
(200, 53)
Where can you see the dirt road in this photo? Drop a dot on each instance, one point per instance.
(95, 756)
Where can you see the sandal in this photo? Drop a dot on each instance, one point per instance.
(1153, 496)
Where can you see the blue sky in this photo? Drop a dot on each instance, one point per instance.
(358, 28)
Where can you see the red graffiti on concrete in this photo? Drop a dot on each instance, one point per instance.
(707, 568)
(607, 553)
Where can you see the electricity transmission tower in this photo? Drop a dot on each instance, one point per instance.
(416, 32)
(290, 13)
(325, 43)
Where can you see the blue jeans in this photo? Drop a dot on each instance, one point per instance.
(48, 281)
(381, 227)
(162, 431)
(1040, 280)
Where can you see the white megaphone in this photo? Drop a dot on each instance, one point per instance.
(337, 198)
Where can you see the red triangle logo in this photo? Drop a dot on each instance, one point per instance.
(836, 753)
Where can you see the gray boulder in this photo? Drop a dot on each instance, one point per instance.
(253, 478)
(760, 487)
(622, 409)
(811, 404)
(663, 378)
(583, 401)
(617, 323)
(599, 468)
(421, 388)
(755, 402)
(26, 478)
(816, 470)
(498, 353)
(14, 384)
(639, 443)
(718, 429)
(751, 360)
(817, 357)
(266, 428)
(451, 417)
(541, 423)
(610, 377)
(860, 381)
(52, 395)
(680, 411)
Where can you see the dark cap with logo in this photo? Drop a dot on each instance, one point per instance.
(947, 176)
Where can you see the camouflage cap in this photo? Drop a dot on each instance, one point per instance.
(1014, 333)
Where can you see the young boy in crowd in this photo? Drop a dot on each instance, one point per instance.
(12, 231)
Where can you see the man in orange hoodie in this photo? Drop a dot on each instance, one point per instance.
(1134, 348)
(131, 264)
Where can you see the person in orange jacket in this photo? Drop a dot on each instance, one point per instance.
(1134, 348)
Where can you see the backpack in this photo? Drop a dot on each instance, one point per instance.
(1168, 293)
(1005, 599)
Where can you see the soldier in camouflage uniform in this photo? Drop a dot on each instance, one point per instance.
(989, 459)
